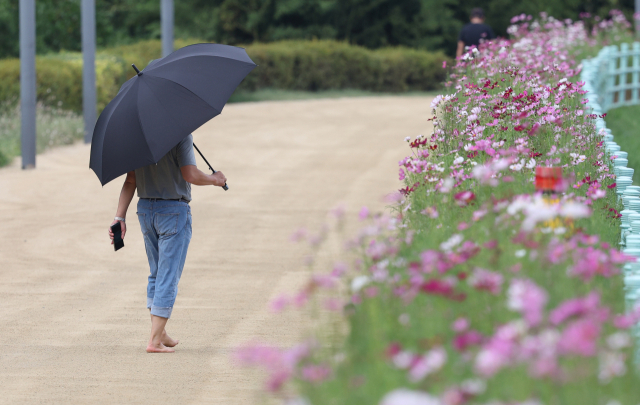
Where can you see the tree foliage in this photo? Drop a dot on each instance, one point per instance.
(426, 24)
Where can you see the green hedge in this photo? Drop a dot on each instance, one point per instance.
(287, 65)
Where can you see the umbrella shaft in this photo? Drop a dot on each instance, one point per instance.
(204, 158)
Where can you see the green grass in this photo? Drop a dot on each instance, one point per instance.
(53, 128)
(284, 95)
(624, 123)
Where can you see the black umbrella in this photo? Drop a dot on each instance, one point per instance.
(163, 104)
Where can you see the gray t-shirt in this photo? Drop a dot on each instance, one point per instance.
(164, 179)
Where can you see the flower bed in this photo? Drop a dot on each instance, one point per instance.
(478, 289)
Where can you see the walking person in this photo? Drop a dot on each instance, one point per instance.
(164, 191)
(474, 33)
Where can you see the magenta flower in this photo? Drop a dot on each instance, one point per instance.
(486, 280)
(464, 340)
(576, 307)
(464, 198)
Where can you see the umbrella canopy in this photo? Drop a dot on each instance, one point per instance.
(164, 103)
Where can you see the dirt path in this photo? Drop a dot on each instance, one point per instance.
(73, 323)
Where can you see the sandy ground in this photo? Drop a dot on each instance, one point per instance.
(73, 323)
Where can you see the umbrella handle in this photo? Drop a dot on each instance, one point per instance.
(225, 187)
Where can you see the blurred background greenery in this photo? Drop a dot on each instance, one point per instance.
(425, 24)
(305, 48)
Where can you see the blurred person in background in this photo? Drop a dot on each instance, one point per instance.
(474, 33)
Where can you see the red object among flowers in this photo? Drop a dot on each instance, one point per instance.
(548, 178)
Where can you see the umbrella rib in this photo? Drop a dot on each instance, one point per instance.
(186, 88)
(159, 102)
(191, 56)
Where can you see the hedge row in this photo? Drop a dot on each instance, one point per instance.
(287, 65)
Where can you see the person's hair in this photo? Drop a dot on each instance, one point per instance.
(477, 13)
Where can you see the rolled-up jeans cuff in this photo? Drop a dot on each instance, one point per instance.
(162, 312)
(149, 302)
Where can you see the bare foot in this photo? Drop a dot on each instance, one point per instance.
(167, 341)
(158, 348)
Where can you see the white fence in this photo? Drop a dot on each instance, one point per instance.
(612, 79)
(614, 76)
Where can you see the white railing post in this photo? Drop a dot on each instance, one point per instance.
(611, 77)
(634, 75)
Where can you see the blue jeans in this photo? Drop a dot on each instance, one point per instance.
(166, 227)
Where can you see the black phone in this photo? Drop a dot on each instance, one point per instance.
(117, 236)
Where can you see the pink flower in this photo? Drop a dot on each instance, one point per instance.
(279, 363)
(464, 198)
(431, 212)
(580, 337)
(460, 325)
(463, 340)
(444, 64)
(627, 321)
(338, 211)
(575, 307)
(428, 364)
(315, 373)
(526, 297)
(364, 213)
(482, 279)
(339, 269)
(280, 303)
(299, 235)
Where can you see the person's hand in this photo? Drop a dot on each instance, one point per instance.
(219, 179)
(123, 226)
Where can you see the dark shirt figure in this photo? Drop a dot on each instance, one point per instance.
(474, 33)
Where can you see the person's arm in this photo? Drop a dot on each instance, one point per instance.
(126, 195)
(460, 49)
(195, 176)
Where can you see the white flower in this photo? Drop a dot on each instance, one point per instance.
(405, 396)
(458, 160)
(473, 386)
(407, 139)
(452, 242)
(611, 364)
(358, 282)
(402, 360)
(404, 319)
(297, 401)
(619, 340)
(447, 184)
(574, 210)
(516, 167)
(520, 253)
(531, 164)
